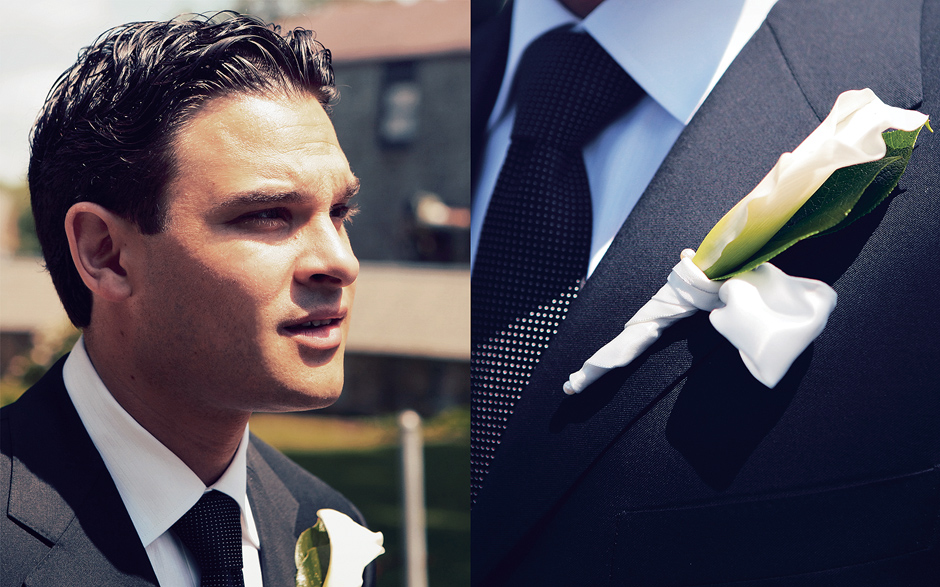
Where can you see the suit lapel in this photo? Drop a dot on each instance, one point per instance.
(489, 50)
(771, 98)
(61, 490)
(879, 49)
(275, 512)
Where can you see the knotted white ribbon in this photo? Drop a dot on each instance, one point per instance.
(769, 316)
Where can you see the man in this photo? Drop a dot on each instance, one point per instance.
(190, 197)
(681, 468)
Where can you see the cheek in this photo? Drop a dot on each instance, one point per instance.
(199, 288)
(242, 284)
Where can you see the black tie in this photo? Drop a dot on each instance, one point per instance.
(535, 242)
(212, 532)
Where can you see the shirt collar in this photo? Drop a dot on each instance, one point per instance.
(674, 49)
(156, 486)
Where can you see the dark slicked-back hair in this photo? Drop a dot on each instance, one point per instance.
(106, 132)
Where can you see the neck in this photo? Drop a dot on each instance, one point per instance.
(205, 439)
(581, 8)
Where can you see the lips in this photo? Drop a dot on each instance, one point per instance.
(319, 331)
(311, 324)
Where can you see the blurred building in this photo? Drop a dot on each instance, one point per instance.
(30, 312)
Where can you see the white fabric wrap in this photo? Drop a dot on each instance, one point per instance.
(769, 316)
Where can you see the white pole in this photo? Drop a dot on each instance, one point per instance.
(412, 466)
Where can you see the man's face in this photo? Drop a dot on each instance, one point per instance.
(245, 299)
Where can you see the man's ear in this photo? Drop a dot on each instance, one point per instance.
(98, 241)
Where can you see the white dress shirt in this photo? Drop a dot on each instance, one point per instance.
(156, 486)
(675, 50)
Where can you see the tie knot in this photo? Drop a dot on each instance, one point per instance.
(211, 530)
(568, 88)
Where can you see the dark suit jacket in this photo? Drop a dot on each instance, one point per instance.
(64, 522)
(681, 469)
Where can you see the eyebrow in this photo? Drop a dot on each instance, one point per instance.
(352, 188)
(252, 199)
(257, 199)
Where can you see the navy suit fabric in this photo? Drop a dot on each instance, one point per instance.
(64, 523)
(681, 469)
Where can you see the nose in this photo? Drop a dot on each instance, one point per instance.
(327, 257)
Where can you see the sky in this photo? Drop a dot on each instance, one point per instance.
(39, 39)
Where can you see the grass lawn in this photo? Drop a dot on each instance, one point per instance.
(369, 476)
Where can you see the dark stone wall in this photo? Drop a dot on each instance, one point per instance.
(436, 161)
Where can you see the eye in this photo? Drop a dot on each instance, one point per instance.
(344, 212)
(265, 219)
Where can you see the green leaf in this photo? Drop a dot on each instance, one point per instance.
(900, 144)
(312, 556)
(848, 194)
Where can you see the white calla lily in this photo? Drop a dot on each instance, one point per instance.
(352, 547)
(850, 135)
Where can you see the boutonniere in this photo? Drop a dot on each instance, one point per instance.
(335, 551)
(839, 173)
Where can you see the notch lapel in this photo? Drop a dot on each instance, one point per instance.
(488, 53)
(769, 100)
(61, 490)
(275, 512)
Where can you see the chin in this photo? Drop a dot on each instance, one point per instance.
(315, 394)
(295, 386)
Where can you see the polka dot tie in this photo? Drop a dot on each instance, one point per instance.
(212, 532)
(535, 241)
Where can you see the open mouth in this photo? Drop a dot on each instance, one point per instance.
(323, 334)
(311, 324)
